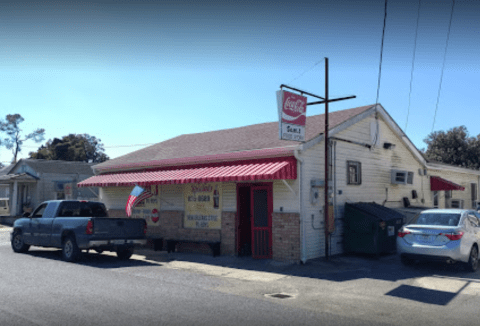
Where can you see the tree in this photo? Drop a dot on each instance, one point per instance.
(454, 147)
(14, 140)
(73, 147)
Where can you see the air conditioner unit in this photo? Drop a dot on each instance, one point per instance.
(456, 203)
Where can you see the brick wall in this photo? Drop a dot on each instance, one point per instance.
(286, 236)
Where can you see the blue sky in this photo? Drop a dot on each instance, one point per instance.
(140, 72)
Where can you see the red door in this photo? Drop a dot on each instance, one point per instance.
(261, 209)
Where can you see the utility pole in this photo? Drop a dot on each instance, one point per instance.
(324, 100)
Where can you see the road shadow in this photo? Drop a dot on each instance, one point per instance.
(91, 259)
(341, 268)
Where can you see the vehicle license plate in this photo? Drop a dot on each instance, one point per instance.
(117, 242)
(425, 238)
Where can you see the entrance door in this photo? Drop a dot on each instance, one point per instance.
(254, 222)
(261, 208)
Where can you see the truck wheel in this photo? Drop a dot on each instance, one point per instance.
(17, 242)
(124, 253)
(70, 250)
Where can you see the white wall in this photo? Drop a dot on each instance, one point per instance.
(376, 166)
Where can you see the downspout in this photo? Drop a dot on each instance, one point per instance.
(303, 257)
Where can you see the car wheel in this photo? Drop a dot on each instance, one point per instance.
(473, 260)
(124, 253)
(70, 250)
(17, 243)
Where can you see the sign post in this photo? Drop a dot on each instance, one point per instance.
(288, 108)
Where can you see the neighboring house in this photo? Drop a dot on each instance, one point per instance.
(29, 182)
(262, 196)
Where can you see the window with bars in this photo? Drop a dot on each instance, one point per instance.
(354, 173)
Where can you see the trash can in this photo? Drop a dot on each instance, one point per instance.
(371, 228)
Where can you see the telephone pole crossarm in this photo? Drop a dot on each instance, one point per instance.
(333, 100)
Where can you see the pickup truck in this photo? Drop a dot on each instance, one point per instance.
(74, 226)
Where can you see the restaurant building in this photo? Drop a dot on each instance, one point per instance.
(260, 196)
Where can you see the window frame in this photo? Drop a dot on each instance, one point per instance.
(358, 173)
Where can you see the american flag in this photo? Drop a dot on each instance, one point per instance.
(136, 196)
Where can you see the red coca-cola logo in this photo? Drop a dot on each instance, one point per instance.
(294, 108)
(155, 216)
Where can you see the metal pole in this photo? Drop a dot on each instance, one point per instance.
(326, 159)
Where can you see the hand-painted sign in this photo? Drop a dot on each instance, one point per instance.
(203, 206)
(292, 114)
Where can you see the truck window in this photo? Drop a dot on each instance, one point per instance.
(82, 209)
(39, 211)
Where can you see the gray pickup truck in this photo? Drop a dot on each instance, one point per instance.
(74, 226)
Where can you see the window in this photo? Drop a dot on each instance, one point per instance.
(39, 211)
(435, 199)
(448, 197)
(399, 177)
(354, 173)
(473, 191)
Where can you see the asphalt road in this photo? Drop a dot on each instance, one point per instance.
(38, 288)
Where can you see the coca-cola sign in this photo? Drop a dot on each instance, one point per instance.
(294, 108)
(292, 112)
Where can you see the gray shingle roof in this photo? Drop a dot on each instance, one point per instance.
(258, 136)
(57, 166)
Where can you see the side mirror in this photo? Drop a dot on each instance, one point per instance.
(26, 214)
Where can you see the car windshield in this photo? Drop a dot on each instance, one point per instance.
(446, 219)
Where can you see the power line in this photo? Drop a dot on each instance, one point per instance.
(381, 53)
(303, 73)
(413, 65)
(443, 66)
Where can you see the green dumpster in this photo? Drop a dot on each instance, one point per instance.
(371, 228)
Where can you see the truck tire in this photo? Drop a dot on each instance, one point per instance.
(17, 242)
(70, 250)
(124, 253)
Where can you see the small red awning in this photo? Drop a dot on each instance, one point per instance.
(437, 184)
(285, 168)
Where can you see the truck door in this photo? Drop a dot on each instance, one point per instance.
(31, 233)
(45, 225)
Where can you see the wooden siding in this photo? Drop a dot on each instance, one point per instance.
(376, 166)
(464, 179)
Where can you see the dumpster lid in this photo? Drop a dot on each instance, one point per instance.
(377, 211)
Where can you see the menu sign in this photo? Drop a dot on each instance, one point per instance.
(203, 206)
(292, 115)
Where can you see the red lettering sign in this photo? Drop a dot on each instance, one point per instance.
(294, 109)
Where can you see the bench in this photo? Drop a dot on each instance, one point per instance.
(214, 245)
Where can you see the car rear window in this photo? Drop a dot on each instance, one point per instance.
(447, 219)
(82, 209)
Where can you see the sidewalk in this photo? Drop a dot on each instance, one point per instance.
(339, 267)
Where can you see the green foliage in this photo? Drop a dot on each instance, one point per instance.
(454, 147)
(74, 147)
(14, 139)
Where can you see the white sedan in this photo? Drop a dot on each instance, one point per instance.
(448, 235)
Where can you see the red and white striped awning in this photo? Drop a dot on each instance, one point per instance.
(284, 168)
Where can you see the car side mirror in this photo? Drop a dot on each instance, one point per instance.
(26, 214)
